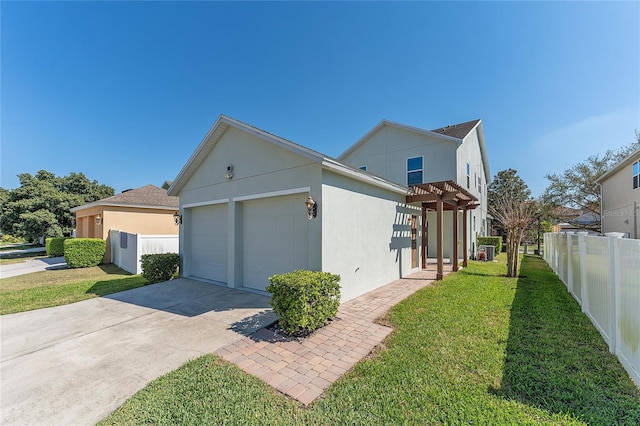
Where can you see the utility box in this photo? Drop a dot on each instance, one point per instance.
(489, 252)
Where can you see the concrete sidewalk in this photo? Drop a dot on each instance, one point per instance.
(29, 250)
(75, 364)
(33, 265)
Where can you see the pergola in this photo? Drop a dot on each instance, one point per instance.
(441, 196)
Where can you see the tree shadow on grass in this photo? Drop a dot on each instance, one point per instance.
(106, 287)
(557, 361)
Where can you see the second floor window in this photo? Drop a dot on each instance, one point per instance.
(636, 175)
(468, 176)
(363, 168)
(414, 171)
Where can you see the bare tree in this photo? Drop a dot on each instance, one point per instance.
(516, 216)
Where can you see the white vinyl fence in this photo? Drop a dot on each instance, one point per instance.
(603, 275)
(127, 249)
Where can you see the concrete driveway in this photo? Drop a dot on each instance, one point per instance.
(75, 364)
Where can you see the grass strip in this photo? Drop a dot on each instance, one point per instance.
(59, 287)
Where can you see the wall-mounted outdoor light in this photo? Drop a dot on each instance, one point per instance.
(312, 207)
(98, 220)
(177, 218)
(229, 173)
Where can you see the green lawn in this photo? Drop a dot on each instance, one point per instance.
(477, 348)
(62, 286)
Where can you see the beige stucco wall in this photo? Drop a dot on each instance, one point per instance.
(134, 220)
(618, 197)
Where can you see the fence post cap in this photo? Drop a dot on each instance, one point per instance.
(614, 234)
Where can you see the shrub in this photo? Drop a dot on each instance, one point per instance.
(491, 241)
(6, 238)
(304, 300)
(84, 252)
(159, 267)
(55, 246)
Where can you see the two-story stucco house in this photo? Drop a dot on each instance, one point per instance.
(408, 156)
(620, 197)
(254, 204)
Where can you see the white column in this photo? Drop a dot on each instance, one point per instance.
(582, 247)
(615, 293)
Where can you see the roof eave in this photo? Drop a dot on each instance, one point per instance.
(139, 206)
(361, 176)
(207, 144)
(621, 165)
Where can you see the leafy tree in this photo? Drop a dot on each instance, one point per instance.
(577, 187)
(40, 206)
(506, 183)
(512, 208)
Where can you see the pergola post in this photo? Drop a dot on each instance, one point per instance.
(455, 197)
(440, 270)
(423, 252)
(465, 245)
(454, 249)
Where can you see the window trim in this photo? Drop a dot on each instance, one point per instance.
(421, 170)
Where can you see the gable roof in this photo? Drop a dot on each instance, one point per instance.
(149, 196)
(392, 124)
(453, 133)
(223, 123)
(631, 158)
(459, 131)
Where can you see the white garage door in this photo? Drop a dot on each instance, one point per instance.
(208, 239)
(275, 238)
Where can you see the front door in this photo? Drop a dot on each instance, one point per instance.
(414, 241)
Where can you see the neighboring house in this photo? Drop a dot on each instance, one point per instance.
(620, 195)
(254, 204)
(145, 210)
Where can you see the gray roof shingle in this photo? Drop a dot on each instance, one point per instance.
(149, 195)
(457, 130)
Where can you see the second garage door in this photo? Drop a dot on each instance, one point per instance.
(275, 238)
(208, 239)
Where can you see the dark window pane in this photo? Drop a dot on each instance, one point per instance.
(414, 178)
(636, 182)
(414, 164)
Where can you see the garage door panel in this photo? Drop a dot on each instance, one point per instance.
(275, 238)
(208, 240)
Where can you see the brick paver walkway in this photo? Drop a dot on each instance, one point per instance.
(304, 368)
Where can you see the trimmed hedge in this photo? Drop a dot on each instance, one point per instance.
(55, 246)
(84, 252)
(491, 241)
(304, 300)
(159, 267)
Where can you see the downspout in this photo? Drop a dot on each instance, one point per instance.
(635, 220)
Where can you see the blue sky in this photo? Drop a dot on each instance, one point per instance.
(125, 91)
